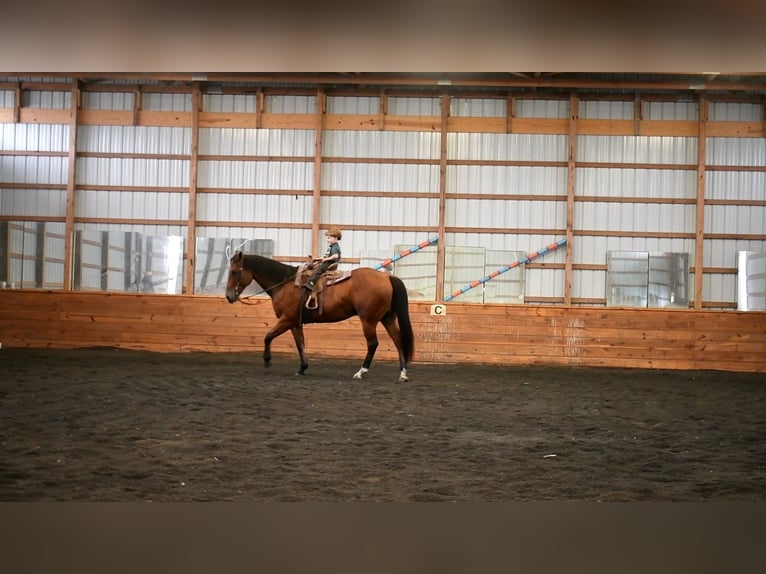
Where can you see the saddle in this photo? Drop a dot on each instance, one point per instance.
(329, 277)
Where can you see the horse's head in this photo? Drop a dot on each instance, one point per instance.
(239, 277)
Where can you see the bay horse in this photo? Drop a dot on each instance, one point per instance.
(374, 296)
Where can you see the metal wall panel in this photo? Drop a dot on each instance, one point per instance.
(107, 100)
(238, 103)
(260, 142)
(479, 108)
(637, 149)
(615, 182)
(527, 108)
(353, 105)
(134, 139)
(380, 178)
(507, 147)
(670, 110)
(32, 202)
(290, 104)
(425, 107)
(606, 110)
(369, 144)
(735, 112)
(34, 137)
(157, 102)
(736, 151)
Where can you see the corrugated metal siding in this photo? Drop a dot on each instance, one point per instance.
(637, 149)
(379, 180)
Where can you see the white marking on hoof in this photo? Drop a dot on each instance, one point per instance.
(403, 378)
(360, 373)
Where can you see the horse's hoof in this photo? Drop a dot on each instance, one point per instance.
(403, 379)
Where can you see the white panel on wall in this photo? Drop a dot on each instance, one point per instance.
(405, 145)
(290, 104)
(257, 142)
(506, 213)
(637, 149)
(131, 205)
(425, 107)
(107, 100)
(32, 202)
(748, 185)
(528, 108)
(606, 110)
(134, 139)
(158, 102)
(613, 182)
(46, 99)
(507, 180)
(254, 208)
(479, 107)
(33, 169)
(736, 151)
(256, 175)
(671, 110)
(34, 137)
(380, 177)
(507, 147)
(132, 172)
(380, 210)
(353, 105)
(735, 112)
(236, 103)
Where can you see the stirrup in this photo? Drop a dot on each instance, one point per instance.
(312, 302)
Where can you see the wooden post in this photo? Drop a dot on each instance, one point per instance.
(699, 249)
(17, 103)
(574, 112)
(382, 110)
(137, 104)
(191, 241)
(441, 246)
(259, 108)
(510, 110)
(70, 185)
(320, 114)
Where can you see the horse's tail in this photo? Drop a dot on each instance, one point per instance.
(400, 307)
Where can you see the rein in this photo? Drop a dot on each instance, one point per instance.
(244, 299)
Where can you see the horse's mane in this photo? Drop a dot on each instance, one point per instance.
(270, 268)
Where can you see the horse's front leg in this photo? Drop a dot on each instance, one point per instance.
(278, 329)
(300, 345)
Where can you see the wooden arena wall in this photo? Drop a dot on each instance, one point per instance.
(472, 333)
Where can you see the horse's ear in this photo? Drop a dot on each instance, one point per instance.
(237, 257)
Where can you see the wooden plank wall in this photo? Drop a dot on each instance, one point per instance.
(467, 333)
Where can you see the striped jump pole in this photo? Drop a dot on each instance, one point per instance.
(407, 252)
(522, 261)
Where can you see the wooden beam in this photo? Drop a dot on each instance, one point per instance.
(191, 241)
(259, 104)
(321, 110)
(441, 245)
(138, 103)
(71, 184)
(17, 103)
(574, 112)
(699, 250)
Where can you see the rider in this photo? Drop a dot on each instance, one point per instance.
(330, 257)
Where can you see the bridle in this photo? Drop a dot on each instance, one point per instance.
(239, 288)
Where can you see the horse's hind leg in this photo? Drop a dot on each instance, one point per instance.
(372, 345)
(389, 322)
(300, 345)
